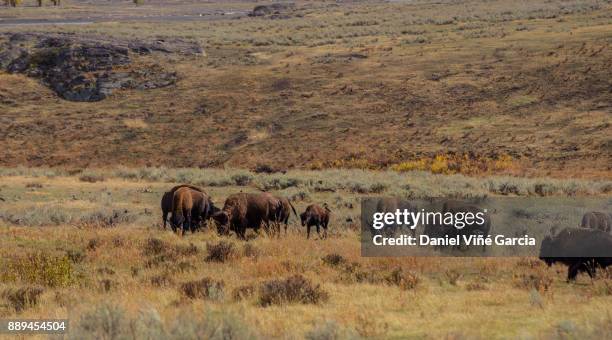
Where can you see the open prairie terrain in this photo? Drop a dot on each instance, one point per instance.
(104, 106)
(363, 84)
(89, 246)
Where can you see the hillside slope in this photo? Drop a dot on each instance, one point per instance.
(367, 83)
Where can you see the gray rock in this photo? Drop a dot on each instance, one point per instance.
(85, 68)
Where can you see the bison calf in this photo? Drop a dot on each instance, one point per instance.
(317, 216)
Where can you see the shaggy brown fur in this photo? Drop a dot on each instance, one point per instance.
(285, 211)
(166, 201)
(242, 211)
(189, 208)
(392, 204)
(317, 216)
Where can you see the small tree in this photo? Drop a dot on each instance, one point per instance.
(14, 3)
(40, 3)
(139, 2)
(56, 2)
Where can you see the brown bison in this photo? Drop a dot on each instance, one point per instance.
(282, 213)
(166, 201)
(315, 216)
(189, 208)
(243, 210)
(582, 250)
(597, 220)
(392, 204)
(455, 208)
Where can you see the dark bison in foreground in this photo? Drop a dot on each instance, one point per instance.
(166, 201)
(242, 211)
(582, 250)
(189, 208)
(317, 216)
(597, 220)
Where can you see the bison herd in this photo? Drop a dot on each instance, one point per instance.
(191, 208)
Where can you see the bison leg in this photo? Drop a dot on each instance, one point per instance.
(187, 224)
(242, 233)
(325, 228)
(165, 218)
(308, 231)
(318, 231)
(572, 271)
(286, 224)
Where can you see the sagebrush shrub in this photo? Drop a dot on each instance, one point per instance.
(22, 298)
(220, 252)
(249, 250)
(164, 279)
(334, 259)
(205, 288)
(538, 280)
(295, 289)
(404, 280)
(243, 292)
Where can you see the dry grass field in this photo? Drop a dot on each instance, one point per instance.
(352, 85)
(323, 102)
(89, 246)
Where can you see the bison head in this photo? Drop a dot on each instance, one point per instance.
(222, 218)
(213, 209)
(546, 251)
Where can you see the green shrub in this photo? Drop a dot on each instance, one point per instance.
(108, 321)
(40, 269)
(242, 179)
(105, 321)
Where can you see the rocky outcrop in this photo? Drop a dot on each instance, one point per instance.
(275, 10)
(85, 68)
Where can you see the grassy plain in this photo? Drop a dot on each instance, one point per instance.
(89, 246)
(364, 84)
(354, 99)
